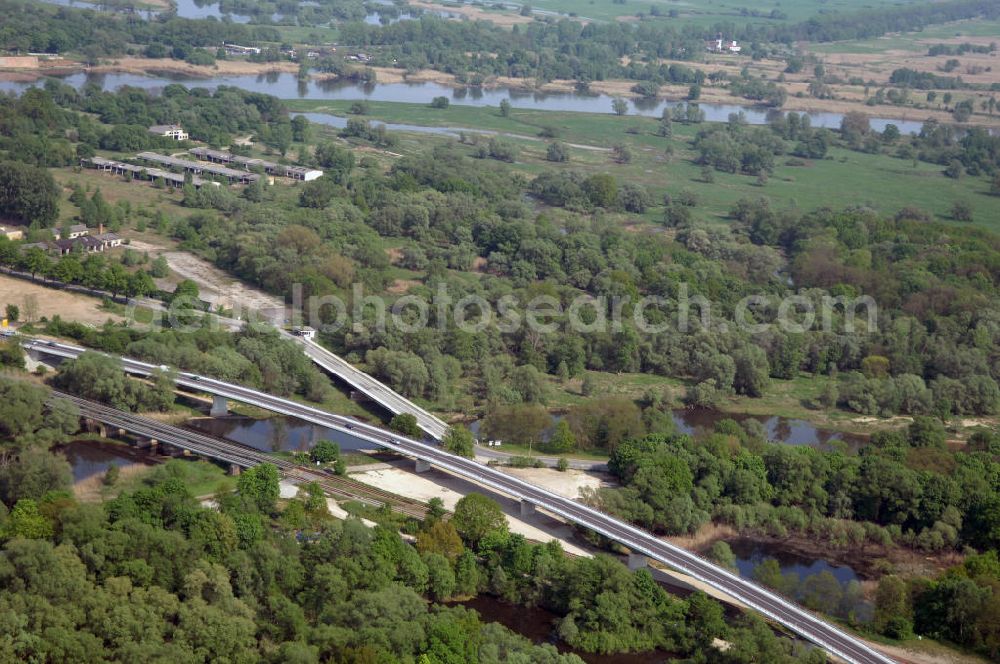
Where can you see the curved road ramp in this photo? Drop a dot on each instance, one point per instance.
(798, 620)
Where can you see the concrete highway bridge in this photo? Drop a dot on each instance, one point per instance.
(375, 390)
(155, 433)
(796, 619)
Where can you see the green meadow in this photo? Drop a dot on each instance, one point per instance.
(843, 178)
(704, 11)
(913, 41)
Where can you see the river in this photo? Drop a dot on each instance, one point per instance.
(273, 434)
(843, 600)
(93, 457)
(288, 86)
(702, 421)
(787, 430)
(749, 554)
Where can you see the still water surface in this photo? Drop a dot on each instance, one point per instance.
(91, 457)
(288, 86)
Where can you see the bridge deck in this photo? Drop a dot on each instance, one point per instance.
(806, 624)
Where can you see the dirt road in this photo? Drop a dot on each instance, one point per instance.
(215, 286)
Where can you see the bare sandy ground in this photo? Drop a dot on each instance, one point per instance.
(505, 18)
(220, 68)
(567, 484)
(215, 286)
(852, 97)
(910, 656)
(538, 527)
(147, 65)
(52, 301)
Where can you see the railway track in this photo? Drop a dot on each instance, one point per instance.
(832, 638)
(241, 455)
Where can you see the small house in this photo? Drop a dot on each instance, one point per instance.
(173, 131)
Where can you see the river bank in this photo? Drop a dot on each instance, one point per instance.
(27, 71)
(869, 561)
(670, 93)
(597, 101)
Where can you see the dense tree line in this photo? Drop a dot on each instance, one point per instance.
(28, 194)
(252, 357)
(453, 209)
(151, 573)
(924, 80)
(41, 28)
(875, 22)
(961, 606)
(937, 300)
(767, 93)
(904, 487)
(928, 368)
(92, 271)
(974, 151)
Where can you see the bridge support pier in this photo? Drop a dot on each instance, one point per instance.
(422, 466)
(220, 406)
(527, 508)
(315, 435)
(93, 426)
(636, 561)
(234, 470)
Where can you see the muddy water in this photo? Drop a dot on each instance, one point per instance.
(92, 457)
(274, 434)
(702, 421)
(791, 431)
(749, 554)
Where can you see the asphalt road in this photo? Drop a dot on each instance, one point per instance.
(795, 618)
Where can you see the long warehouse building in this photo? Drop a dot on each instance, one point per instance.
(199, 167)
(250, 163)
(122, 168)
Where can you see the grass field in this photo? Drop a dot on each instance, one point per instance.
(703, 12)
(202, 478)
(913, 41)
(843, 179)
(139, 194)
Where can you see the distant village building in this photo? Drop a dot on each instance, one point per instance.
(12, 233)
(173, 131)
(720, 46)
(236, 49)
(109, 240)
(85, 244)
(73, 232)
